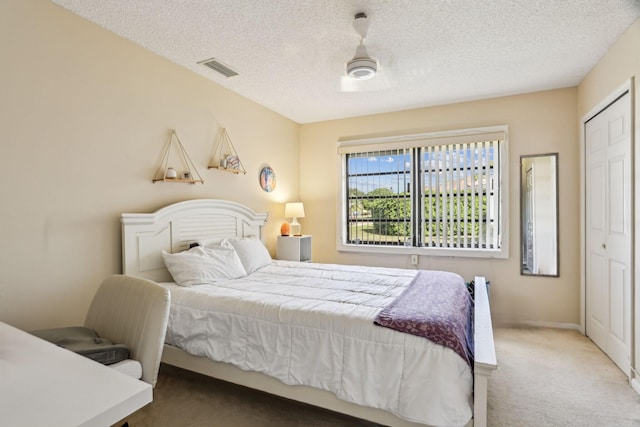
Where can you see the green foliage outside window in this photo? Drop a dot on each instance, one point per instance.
(384, 213)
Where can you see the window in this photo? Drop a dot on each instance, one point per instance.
(436, 194)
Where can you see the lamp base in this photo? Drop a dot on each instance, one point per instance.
(296, 229)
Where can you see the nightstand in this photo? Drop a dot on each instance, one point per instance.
(294, 248)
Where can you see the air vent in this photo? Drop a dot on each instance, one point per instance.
(219, 67)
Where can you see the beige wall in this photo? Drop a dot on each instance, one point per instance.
(541, 122)
(84, 118)
(620, 64)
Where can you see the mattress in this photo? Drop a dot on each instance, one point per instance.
(312, 324)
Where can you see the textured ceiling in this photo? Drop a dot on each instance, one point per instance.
(291, 54)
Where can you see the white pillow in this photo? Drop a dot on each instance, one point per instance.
(210, 242)
(251, 251)
(199, 265)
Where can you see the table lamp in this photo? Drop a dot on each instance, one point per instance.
(294, 211)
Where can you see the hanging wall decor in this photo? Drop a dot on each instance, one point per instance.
(225, 156)
(267, 179)
(175, 158)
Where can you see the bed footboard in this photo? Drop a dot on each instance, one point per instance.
(485, 352)
(258, 381)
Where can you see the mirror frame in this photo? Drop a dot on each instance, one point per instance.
(557, 209)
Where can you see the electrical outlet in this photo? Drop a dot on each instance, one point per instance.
(414, 259)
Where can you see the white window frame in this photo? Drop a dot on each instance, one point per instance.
(346, 146)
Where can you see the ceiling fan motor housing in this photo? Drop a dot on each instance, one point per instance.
(362, 68)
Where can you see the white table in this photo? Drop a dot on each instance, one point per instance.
(42, 384)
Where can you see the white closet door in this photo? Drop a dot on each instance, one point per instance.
(609, 231)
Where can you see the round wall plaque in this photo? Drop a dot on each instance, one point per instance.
(267, 179)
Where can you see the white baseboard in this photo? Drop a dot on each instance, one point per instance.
(635, 385)
(540, 324)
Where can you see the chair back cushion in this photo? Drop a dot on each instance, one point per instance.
(134, 312)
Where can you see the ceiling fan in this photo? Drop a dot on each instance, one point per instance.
(364, 73)
(361, 66)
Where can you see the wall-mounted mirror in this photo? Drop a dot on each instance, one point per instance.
(539, 215)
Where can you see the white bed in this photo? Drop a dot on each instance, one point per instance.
(249, 360)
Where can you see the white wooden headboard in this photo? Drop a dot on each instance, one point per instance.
(173, 227)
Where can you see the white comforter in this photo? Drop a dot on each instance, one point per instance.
(312, 324)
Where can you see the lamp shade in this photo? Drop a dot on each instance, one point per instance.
(294, 210)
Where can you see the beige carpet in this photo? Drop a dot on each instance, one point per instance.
(546, 377)
(555, 377)
(183, 398)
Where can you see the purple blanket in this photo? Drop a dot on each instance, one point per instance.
(436, 305)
